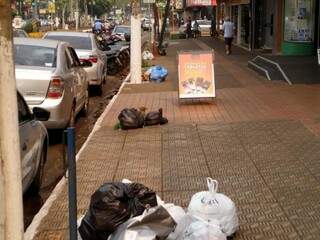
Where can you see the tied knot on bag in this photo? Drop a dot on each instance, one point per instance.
(213, 188)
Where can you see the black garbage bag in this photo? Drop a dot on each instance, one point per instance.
(141, 198)
(113, 204)
(155, 118)
(131, 118)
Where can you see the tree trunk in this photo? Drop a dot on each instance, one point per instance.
(64, 16)
(11, 208)
(85, 6)
(164, 23)
(135, 46)
(156, 21)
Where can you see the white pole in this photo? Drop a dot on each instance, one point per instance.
(135, 46)
(11, 209)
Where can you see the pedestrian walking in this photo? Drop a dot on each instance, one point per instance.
(188, 28)
(98, 26)
(228, 29)
(196, 30)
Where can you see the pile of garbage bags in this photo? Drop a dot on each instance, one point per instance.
(147, 55)
(156, 74)
(132, 118)
(131, 211)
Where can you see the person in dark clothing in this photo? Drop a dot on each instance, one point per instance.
(188, 28)
(213, 31)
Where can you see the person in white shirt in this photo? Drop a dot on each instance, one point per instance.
(228, 29)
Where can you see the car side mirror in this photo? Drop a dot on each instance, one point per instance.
(41, 114)
(86, 63)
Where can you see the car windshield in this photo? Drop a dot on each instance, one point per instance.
(76, 42)
(19, 34)
(122, 30)
(27, 55)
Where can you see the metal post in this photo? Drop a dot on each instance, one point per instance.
(318, 24)
(72, 184)
(252, 25)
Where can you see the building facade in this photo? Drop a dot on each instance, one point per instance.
(287, 27)
(200, 9)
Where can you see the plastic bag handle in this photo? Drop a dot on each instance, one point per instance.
(212, 185)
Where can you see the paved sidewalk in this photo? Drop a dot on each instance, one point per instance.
(259, 139)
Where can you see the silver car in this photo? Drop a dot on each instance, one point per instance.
(122, 31)
(49, 75)
(87, 49)
(19, 33)
(33, 145)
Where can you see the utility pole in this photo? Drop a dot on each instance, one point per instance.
(135, 46)
(11, 208)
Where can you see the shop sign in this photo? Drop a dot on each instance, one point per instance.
(51, 7)
(149, 1)
(191, 3)
(179, 4)
(42, 11)
(319, 56)
(239, 2)
(196, 74)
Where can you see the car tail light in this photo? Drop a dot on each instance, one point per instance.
(91, 58)
(56, 88)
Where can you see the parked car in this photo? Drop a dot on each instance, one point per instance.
(122, 31)
(146, 24)
(20, 33)
(33, 144)
(87, 49)
(205, 27)
(49, 75)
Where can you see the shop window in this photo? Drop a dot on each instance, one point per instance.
(299, 20)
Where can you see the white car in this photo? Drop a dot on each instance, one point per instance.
(49, 75)
(33, 144)
(204, 27)
(87, 49)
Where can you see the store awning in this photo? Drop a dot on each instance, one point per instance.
(200, 3)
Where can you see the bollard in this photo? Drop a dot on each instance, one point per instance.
(72, 184)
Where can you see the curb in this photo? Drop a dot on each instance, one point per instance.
(32, 230)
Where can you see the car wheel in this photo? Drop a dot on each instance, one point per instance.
(100, 89)
(37, 181)
(104, 78)
(72, 116)
(85, 108)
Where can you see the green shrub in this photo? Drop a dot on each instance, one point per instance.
(28, 27)
(145, 64)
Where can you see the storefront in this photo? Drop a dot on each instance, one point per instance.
(300, 34)
(240, 15)
(200, 9)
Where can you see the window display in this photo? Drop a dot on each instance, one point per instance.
(299, 20)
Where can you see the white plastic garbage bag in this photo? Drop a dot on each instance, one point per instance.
(147, 55)
(211, 206)
(201, 230)
(155, 223)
